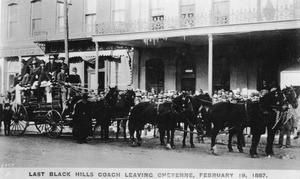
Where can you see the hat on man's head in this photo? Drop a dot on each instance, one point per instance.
(23, 61)
(42, 61)
(64, 67)
(51, 57)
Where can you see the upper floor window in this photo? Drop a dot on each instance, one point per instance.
(187, 12)
(157, 14)
(90, 11)
(118, 11)
(36, 17)
(221, 11)
(90, 15)
(12, 21)
(60, 16)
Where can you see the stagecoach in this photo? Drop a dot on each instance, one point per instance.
(45, 115)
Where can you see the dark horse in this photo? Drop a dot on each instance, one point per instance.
(191, 107)
(267, 114)
(124, 103)
(163, 115)
(233, 116)
(104, 111)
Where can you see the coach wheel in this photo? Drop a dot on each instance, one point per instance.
(54, 124)
(41, 126)
(19, 122)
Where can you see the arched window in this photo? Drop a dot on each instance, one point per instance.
(36, 17)
(12, 32)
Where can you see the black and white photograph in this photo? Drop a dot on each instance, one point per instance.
(203, 89)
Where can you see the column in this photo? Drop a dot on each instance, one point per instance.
(97, 67)
(210, 64)
(2, 65)
(117, 73)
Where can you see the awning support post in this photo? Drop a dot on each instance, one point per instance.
(210, 64)
(97, 67)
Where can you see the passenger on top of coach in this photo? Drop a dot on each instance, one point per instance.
(25, 71)
(62, 78)
(52, 68)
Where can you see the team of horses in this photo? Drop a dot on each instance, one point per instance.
(186, 109)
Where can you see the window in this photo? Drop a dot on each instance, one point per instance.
(60, 17)
(119, 11)
(220, 11)
(187, 13)
(157, 14)
(36, 17)
(90, 14)
(12, 21)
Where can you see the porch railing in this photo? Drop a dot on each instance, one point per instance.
(58, 32)
(200, 20)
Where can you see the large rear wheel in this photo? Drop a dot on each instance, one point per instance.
(19, 122)
(54, 124)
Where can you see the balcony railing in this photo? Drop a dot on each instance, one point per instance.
(200, 20)
(58, 32)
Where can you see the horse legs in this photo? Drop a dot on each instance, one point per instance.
(254, 144)
(270, 141)
(138, 136)
(240, 137)
(231, 133)
(184, 135)
(118, 129)
(214, 134)
(172, 138)
(192, 136)
(162, 136)
(124, 128)
(131, 132)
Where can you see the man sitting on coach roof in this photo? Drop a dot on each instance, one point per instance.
(52, 68)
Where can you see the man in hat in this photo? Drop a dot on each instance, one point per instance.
(52, 68)
(82, 120)
(62, 79)
(41, 73)
(25, 71)
(75, 81)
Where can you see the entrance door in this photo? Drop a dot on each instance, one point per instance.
(155, 75)
(188, 84)
(101, 81)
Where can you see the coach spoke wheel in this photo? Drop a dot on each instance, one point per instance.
(19, 122)
(53, 124)
(41, 126)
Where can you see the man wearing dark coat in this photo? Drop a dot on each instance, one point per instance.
(82, 120)
(7, 117)
(52, 68)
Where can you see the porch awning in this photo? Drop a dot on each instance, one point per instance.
(88, 56)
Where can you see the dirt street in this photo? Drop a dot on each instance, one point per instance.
(35, 150)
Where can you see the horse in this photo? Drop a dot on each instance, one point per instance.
(201, 103)
(233, 116)
(164, 115)
(104, 112)
(125, 101)
(267, 113)
(191, 108)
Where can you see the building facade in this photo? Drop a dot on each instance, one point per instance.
(158, 44)
(37, 28)
(208, 44)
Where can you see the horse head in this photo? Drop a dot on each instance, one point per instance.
(290, 96)
(111, 97)
(130, 97)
